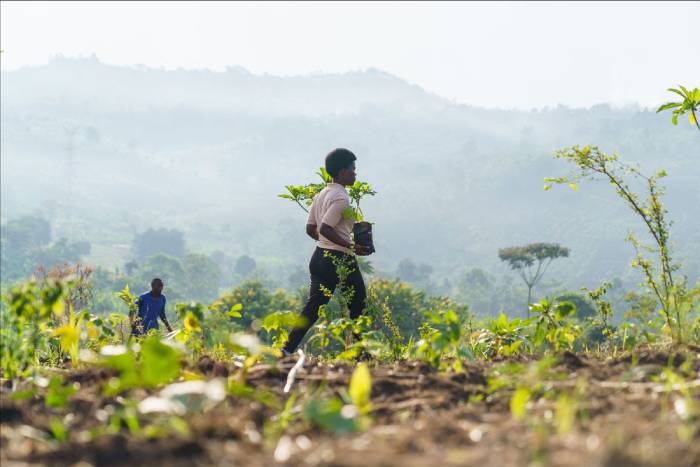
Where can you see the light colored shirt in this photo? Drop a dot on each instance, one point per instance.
(330, 207)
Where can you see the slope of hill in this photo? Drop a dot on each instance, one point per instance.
(106, 151)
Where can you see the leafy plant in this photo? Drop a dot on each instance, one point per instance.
(690, 105)
(154, 363)
(518, 403)
(604, 308)
(501, 337)
(277, 324)
(360, 389)
(25, 324)
(346, 415)
(303, 195)
(441, 339)
(554, 325)
(69, 334)
(58, 394)
(669, 289)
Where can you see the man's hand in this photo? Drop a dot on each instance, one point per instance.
(165, 321)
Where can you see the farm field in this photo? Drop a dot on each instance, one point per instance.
(578, 409)
(401, 234)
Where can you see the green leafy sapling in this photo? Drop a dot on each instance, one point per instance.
(303, 195)
(690, 105)
(670, 289)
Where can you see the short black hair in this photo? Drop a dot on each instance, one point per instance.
(337, 160)
(157, 279)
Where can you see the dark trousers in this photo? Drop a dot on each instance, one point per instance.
(323, 273)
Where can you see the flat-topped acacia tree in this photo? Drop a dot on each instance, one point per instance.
(531, 262)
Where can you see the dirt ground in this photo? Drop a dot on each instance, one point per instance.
(627, 415)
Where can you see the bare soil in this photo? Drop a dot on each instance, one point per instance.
(627, 415)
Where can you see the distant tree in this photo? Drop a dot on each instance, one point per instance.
(226, 265)
(202, 277)
(477, 288)
(584, 308)
(245, 265)
(412, 272)
(130, 267)
(25, 245)
(169, 269)
(154, 241)
(25, 233)
(535, 255)
(257, 301)
(298, 278)
(486, 294)
(62, 251)
(407, 304)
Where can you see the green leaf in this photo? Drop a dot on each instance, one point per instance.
(691, 118)
(667, 106)
(58, 430)
(161, 363)
(327, 414)
(674, 119)
(22, 395)
(677, 92)
(360, 388)
(518, 403)
(565, 414)
(349, 213)
(573, 186)
(58, 395)
(125, 364)
(235, 311)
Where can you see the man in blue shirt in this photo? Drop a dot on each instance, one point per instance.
(151, 307)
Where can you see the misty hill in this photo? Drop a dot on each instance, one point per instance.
(107, 151)
(86, 85)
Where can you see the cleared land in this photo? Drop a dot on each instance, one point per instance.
(636, 409)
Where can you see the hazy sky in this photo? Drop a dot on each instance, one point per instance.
(488, 54)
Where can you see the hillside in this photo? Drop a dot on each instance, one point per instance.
(105, 151)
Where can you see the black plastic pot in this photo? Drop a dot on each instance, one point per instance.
(362, 232)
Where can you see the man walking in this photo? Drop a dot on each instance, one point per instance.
(151, 307)
(332, 230)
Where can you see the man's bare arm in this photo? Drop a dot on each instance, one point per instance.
(331, 234)
(165, 320)
(312, 231)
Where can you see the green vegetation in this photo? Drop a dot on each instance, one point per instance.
(73, 375)
(523, 258)
(690, 105)
(668, 285)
